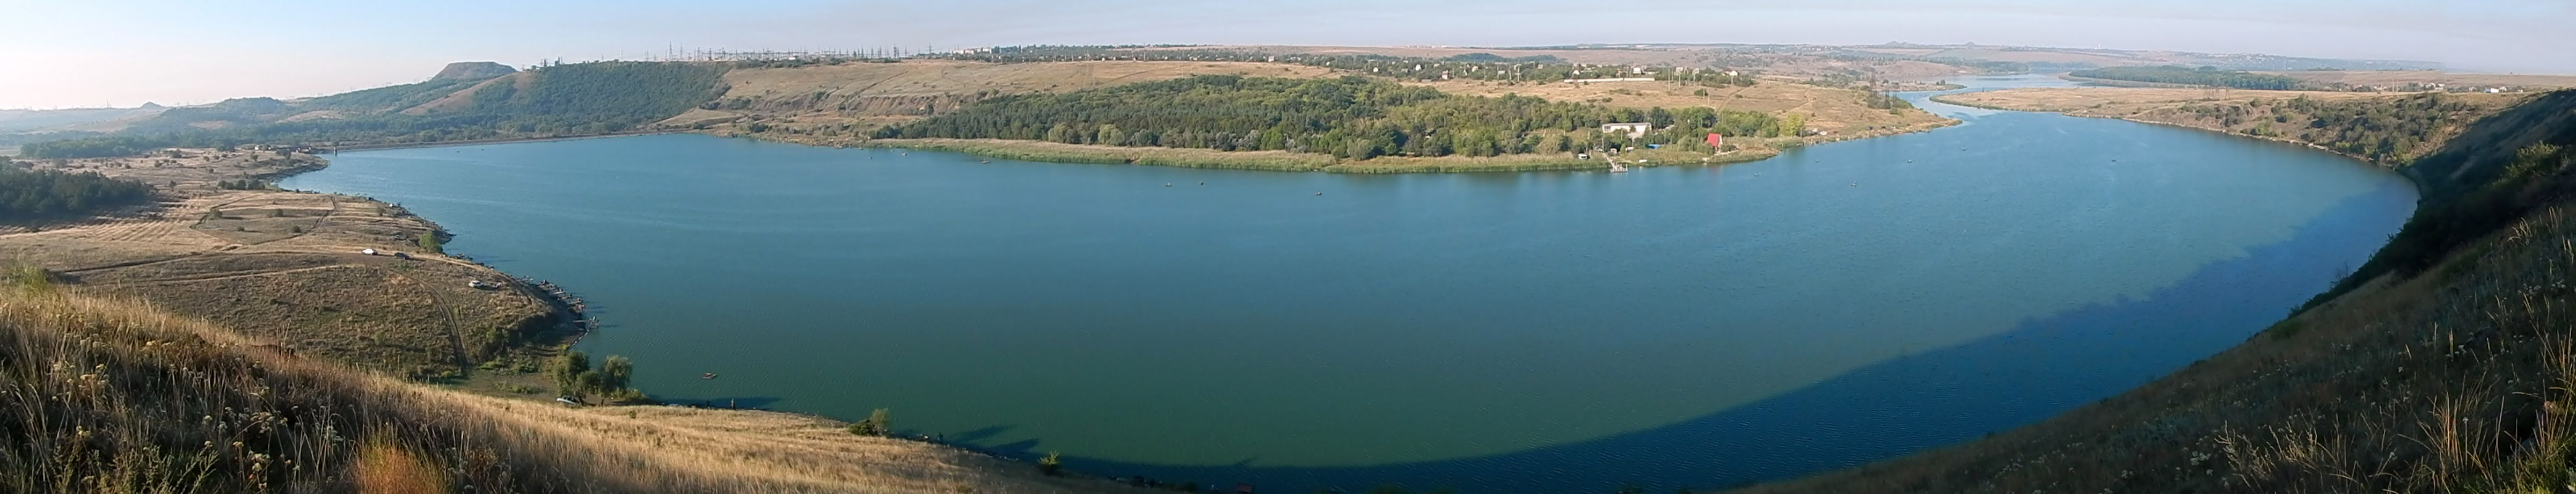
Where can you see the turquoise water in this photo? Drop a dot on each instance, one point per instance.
(1495, 332)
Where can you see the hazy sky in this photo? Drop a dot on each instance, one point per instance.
(99, 52)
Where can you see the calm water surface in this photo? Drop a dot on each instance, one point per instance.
(1495, 332)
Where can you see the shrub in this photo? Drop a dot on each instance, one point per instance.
(1052, 464)
(878, 423)
(31, 277)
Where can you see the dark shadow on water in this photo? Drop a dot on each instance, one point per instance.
(2038, 369)
(978, 435)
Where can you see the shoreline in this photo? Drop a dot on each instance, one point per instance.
(1280, 161)
(474, 142)
(569, 312)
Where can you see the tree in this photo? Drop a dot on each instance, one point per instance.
(614, 373)
(429, 243)
(1110, 136)
(568, 369)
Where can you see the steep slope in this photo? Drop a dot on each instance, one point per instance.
(2458, 375)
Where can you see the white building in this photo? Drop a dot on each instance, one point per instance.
(1633, 129)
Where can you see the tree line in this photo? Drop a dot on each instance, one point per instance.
(2204, 76)
(1350, 117)
(49, 194)
(1470, 66)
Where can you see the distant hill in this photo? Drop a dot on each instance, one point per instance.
(583, 98)
(473, 70)
(17, 121)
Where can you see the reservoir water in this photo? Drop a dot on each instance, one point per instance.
(1573, 331)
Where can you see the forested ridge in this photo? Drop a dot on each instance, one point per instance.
(2204, 76)
(1350, 117)
(585, 98)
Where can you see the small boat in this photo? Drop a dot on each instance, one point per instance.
(1167, 184)
(984, 161)
(1319, 193)
(1855, 184)
(709, 375)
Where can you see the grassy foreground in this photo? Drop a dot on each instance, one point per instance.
(105, 395)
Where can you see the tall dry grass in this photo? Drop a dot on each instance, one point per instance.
(102, 395)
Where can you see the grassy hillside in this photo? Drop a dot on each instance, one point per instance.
(2458, 376)
(2505, 166)
(574, 99)
(113, 396)
(2388, 129)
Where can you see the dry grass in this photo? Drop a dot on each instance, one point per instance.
(108, 395)
(386, 466)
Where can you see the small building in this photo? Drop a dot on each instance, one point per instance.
(1633, 129)
(1716, 140)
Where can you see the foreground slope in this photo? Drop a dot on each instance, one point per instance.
(2448, 367)
(107, 395)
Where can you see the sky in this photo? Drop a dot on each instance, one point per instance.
(90, 53)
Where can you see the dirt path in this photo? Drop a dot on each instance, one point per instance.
(185, 279)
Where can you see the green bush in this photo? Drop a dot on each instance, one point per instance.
(878, 424)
